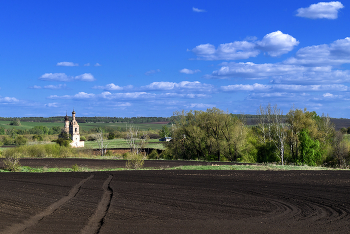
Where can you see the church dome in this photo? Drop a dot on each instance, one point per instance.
(66, 118)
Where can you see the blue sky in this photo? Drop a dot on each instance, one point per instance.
(151, 58)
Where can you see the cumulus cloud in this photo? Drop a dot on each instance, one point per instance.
(183, 85)
(55, 77)
(53, 104)
(252, 70)
(132, 95)
(326, 10)
(283, 87)
(336, 53)
(188, 95)
(200, 105)
(275, 44)
(148, 73)
(80, 95)
(85, 77)
(188, 71)
(109, 87)
(60, 86)
(64, 77)
(87, 64)
(8, 100)
(67, 64)
(198, 10)
(97, 65)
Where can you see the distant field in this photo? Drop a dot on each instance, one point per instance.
(83, 126)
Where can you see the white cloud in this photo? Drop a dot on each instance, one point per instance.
(97, 65)
(87, 64)
(109, 87)
(200, 105)
(85, 77)
(246, 87)
(55, 77)
(328, 95)
(35, 87)
(80, 95)
(133, 95)
(183, 85)
(252, 70)
(122, 104)
(336, 53)
(188, 71)
(327, 10)
(8, 100)
(83, 95)
(198, 10)
(60, 86)
(277, 43)
(67, 64)
(228, 51)
(54, 104)
(283, 87)
(151, 72)
(179, 95)
(64, 77)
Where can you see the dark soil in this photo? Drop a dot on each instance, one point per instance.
(175, 202)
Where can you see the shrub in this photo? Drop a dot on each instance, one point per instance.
(8, 141)
(154, 154)
(11, 162)
(20, 140)
(135, 161)
(111, 136)
(75, 168)
(38, 138)
(82, 138)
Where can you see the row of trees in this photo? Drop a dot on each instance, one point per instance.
(37, 130)
(93, 119)
(299, 137)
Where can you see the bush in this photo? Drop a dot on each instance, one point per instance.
(111, 136)
(75, 168)
(154, 154)
(82, 138)
(11, 162)
(135, 161)
(38, 138)
(16, 122)
(20, 140)
(8, 141)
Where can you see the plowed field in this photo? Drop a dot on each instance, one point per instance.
(176, 202)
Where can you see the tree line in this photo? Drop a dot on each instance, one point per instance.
(299, 137)
(134, 120)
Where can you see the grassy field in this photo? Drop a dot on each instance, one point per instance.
(83, 126)
(122, 143)
(262, 167)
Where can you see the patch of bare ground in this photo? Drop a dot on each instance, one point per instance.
(179, 202)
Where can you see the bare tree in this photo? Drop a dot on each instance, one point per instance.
(273, 127)
(136, 144)
(101, 143)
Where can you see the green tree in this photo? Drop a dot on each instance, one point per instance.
(164, 132)
(16, 122)
(210, 135)
(310, 152)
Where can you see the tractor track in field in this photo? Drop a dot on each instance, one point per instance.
(32, 221)
(176, 201)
